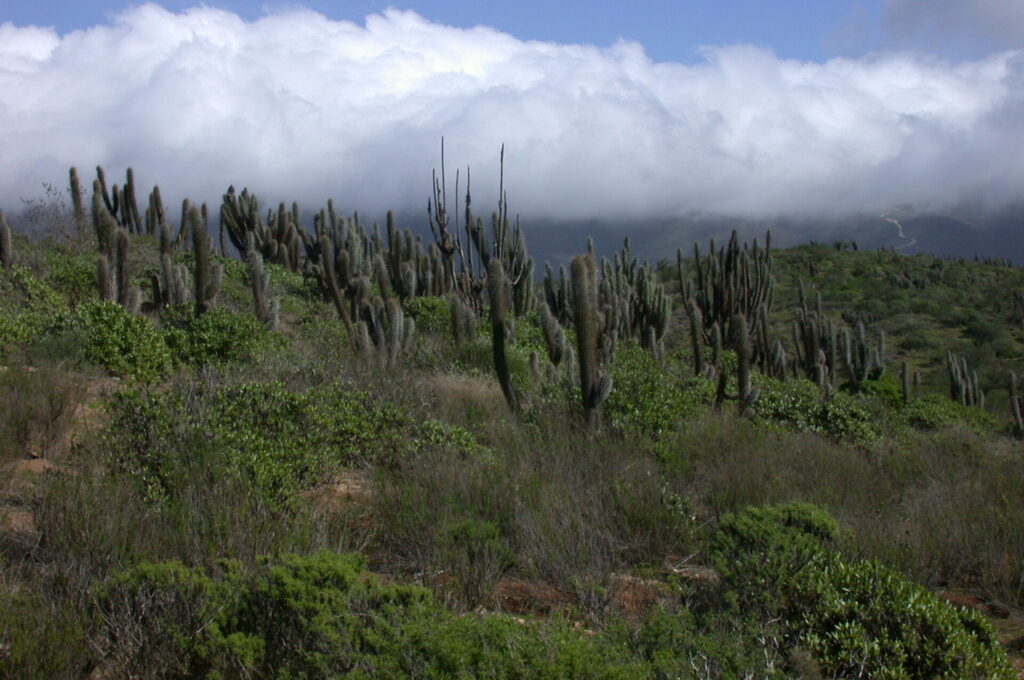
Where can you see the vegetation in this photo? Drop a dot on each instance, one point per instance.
(335, 451)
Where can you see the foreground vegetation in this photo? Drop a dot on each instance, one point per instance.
(373, 458)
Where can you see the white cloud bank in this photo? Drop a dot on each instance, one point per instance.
(296, 106)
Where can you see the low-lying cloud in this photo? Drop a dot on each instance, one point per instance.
(297, 106)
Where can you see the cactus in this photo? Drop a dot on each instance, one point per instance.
(6, 250)
(905, 382)
(728, 282)
(554, 337)
(1016, 406)
(383, 333)
(862, 362)
(498, 289)
(506, 242)
(594, 387)
(206, 278)
(267, 310)
(77, 207)
(963, 382)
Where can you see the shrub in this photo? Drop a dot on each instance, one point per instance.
(865, 620)
(322, 616)
(760, 552)
(799, 405)
(644, 400)
(218, 335)
(28, 307)
(431, 314)
(934, 411)
(124, 344)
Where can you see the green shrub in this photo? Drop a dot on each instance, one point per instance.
(866, 620)
(39, 639)
(799, 404)
(28, 308)
(122, 343)
(279, 441)
(934, 411)
(218, 335)
(760, 552)
(321, 616)
(431, 314)
(644, 400)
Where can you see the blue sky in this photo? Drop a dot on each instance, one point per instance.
(737, 107)
(669, 30)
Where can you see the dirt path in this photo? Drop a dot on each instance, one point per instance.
(899, 228)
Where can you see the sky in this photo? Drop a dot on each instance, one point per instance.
(605, 110)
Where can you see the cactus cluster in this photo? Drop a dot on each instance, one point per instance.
(467, 266)
(964, 386)
(277, 239)
(816, 339)
(729, 281)
(862, 360)
(383, 333)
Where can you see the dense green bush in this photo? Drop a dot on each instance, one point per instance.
(759, 553)
(278, 440)
(934, 411)
(799, 405)
(122, 343)
(431, 314)
(643, 401)
(865, 620)
(322, 616)
(216, 336)
(857, 620)
(28, 307)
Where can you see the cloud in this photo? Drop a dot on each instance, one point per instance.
(296, 106)
(969, 25)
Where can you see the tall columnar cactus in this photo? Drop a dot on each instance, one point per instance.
(594, 387)
(505, 242)
(498, 290)
(207, 276)
(383, 333)
(120, 202)
(634, 301)
(816, 339)
(267, 309)
(77, 205)
(730, 281)
(863, 362)
(6, 251)
(1016, 407)
(156, 216)
(963, 382)
(554, 337)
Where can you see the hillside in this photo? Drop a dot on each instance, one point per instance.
(352, 452)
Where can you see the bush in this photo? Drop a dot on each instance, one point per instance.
(431, 314)
(645, 401)
(28, 308)
(934, 411)
(799, 405)
(322, 616)
(760, 552)
(857, 620)
(218, 335)
(124, 344)
(865, 620)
